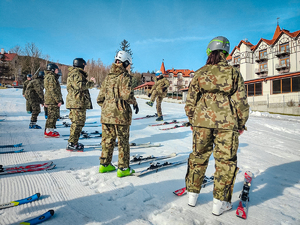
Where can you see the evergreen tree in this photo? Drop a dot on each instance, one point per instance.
(125, 46)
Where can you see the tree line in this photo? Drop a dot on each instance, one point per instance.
(31, 61)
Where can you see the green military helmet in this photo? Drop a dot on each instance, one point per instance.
(218, 43)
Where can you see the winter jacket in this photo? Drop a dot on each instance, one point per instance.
(78, 89)
(161, 86)
(25, 84)
(115, 96)
(217, 98)
(34, 92)
(53, 94)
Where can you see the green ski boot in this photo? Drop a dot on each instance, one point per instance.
(108, 168)
(149, 103)
(125, 172)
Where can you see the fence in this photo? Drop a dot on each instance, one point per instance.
(281, 103)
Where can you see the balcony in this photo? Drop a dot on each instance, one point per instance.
(261, 58)
(282, 53)
(261, 71)
(282, 66)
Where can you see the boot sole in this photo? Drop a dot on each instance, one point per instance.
(51, 136)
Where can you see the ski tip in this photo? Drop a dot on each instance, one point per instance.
(38, 195)
(51, 211)
(173, 154)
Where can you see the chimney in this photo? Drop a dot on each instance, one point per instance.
(8, 52)
(2, 51)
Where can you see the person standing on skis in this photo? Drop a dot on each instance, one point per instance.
(115, 97)
(218, 110)
(53, 99)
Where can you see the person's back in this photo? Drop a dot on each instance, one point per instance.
(117, 93)
(223, 96)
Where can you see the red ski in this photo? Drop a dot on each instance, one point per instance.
(242, 209)
(207, 180)
(167, 123)
(30, 168)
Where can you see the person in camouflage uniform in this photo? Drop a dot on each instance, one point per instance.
(217, 108)
(25, 84)
(78, 101)
(115, 96)
(158, 92)
(53, 99)
(34, 94)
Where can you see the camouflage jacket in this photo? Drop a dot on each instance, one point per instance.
(217, 98)
(53, 94)
(25, 84)
(34, 92)
(115, 96)
(78, 89)
(160, 84)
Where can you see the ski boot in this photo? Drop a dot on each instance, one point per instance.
(220, 206)
(149, 103)
(160, 118)
(123, 172)
(33, 125)
(51, 133)
(106, 168)
(192, 198)
(76, 148)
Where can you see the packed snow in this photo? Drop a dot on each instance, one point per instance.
(80, 195)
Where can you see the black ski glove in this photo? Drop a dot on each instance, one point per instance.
(149, 95)
(136, 108)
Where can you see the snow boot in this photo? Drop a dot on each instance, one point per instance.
(220, 206)
(51, 133)
(33, 125)
(72, 147)
(192, 198)
(106, 168)
(161, 118)
(124, 172)
(149, 103)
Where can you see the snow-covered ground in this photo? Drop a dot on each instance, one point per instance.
(80, 195)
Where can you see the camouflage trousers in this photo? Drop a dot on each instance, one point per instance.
(53, 115)
(224, 145)
(109, 134)
(159, 100)
(36, 109)
(77, 117)
(28, 106)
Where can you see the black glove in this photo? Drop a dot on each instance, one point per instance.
(187, 124)
(164, 89)
(149, 95)
(62, 102)
(136, 108)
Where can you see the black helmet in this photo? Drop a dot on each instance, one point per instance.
(51, 67)
(79, 62)
(41, 74)
(29, 75)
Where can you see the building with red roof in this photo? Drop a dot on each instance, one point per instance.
(270, 68)
(8, 67)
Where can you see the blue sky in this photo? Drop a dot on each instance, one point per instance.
(177, 31)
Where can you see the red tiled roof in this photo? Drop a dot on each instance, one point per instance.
(151, 83)
(10, 56)
(278, 32)
(185, 72)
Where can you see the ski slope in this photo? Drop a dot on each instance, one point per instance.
(80, 195)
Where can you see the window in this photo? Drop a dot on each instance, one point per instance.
(170, 82)
(285, 62)
(295, 84)
(286, 85)
(236, 60)
(263, 54)
(170, 88)
(254, 89)
(186, 82)
(284, 47)
(250, 89)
